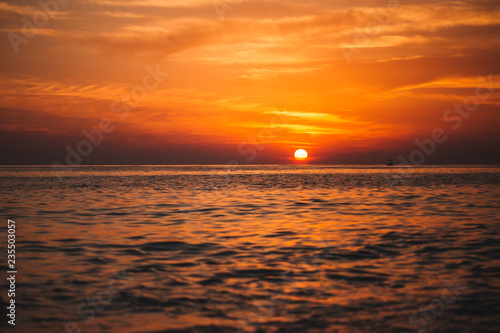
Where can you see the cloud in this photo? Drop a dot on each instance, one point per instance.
(265, 59)
(8, 8)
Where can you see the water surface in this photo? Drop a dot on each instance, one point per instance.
(255, 248)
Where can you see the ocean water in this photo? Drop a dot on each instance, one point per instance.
(309, 248)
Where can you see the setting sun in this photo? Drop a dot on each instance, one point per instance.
(300, 155)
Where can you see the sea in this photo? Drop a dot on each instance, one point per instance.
(259, 248)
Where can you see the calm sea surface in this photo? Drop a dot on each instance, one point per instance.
(253, 249)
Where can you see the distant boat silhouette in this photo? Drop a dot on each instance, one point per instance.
(389, 162)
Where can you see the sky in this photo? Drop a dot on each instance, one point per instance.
(249, 81)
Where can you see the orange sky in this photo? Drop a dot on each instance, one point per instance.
(349, 81)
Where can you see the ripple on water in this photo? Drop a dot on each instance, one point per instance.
(273, 249)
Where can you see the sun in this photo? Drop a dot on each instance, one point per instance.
(300, 155)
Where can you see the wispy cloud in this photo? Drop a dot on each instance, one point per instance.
(230, 77)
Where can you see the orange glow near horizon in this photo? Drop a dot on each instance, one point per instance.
(270, 76)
